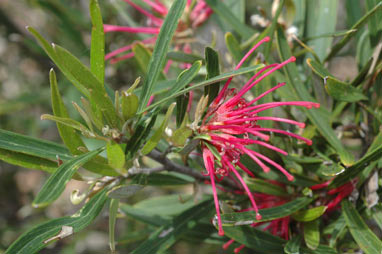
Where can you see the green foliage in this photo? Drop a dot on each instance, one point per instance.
(140, 158)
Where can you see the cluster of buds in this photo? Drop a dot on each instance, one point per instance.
(195, 15)
(231, 125)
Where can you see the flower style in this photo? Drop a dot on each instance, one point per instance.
(231, 125)
(341, 192)
(197, 16)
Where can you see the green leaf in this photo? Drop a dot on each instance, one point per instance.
(361, 233)
(52, 54)
(260, 185)
(317, 116)
(145, 216)
(38, 237)
(97, 49)
(226, 14)
(183, 80)
(310, 214)
(312, 234)
(163, 179)
(318, 68)
(180, 136)
(154, 140)
(268, 214)
(339, 45)
(143, 55)
(113, 212)
(160, 50)
(255, 239)
(212, 66)
(27, 161)
(167, 205)
(233, 47)
(204, 83)
(129, 103)
(56, 183)
(99, 98)
(167, 235)
(321, 17)
(293, 245)
(335, 229)
(68, 122)
(124, 191)
(342, 91)
(182, 57)
(374, 25)
(142, 130)
(357, 167)
(47, 150)
(115, 155)
(32, 146)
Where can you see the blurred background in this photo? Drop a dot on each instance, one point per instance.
(25, 96)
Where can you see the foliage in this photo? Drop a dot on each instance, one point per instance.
(165, 133)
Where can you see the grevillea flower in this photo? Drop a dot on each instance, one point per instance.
(193, 17)
(230, 125)
(278, 227)
(341, 192)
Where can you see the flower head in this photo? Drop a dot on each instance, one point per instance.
(194, 17)
(231, 123)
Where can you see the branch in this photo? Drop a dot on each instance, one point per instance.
(172, 166)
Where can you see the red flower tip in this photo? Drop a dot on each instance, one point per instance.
(258, 216)
(301, 125)
(238, 249)
(221, 232)
(290, 178)
(292, 59)
(266, 39)
(309, 142)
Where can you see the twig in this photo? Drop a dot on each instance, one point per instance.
(172, 166)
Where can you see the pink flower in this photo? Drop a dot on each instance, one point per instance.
(341, 192)
(231, 125)
(197, 16)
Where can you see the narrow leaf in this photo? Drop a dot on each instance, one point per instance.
(339, 45)
(357, 167)
(361, 233)
(317, 116)
(268, 214)
(68, 135)
(312, 234)
(97, 49)
(293, 245)
(124, 191)
(205, 83)
(27, 161)
(310, 214)
(167, 235)
(115, 155)
(56, 183)
(44, 149)
(160, 50)
(226, 14)
(34, 240)
(154, 140)
(342, 91)
(213, 70)
(99, 98)
(113, 211)
(52, 54)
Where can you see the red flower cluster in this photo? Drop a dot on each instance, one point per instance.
(197, 16)
(231, 125)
